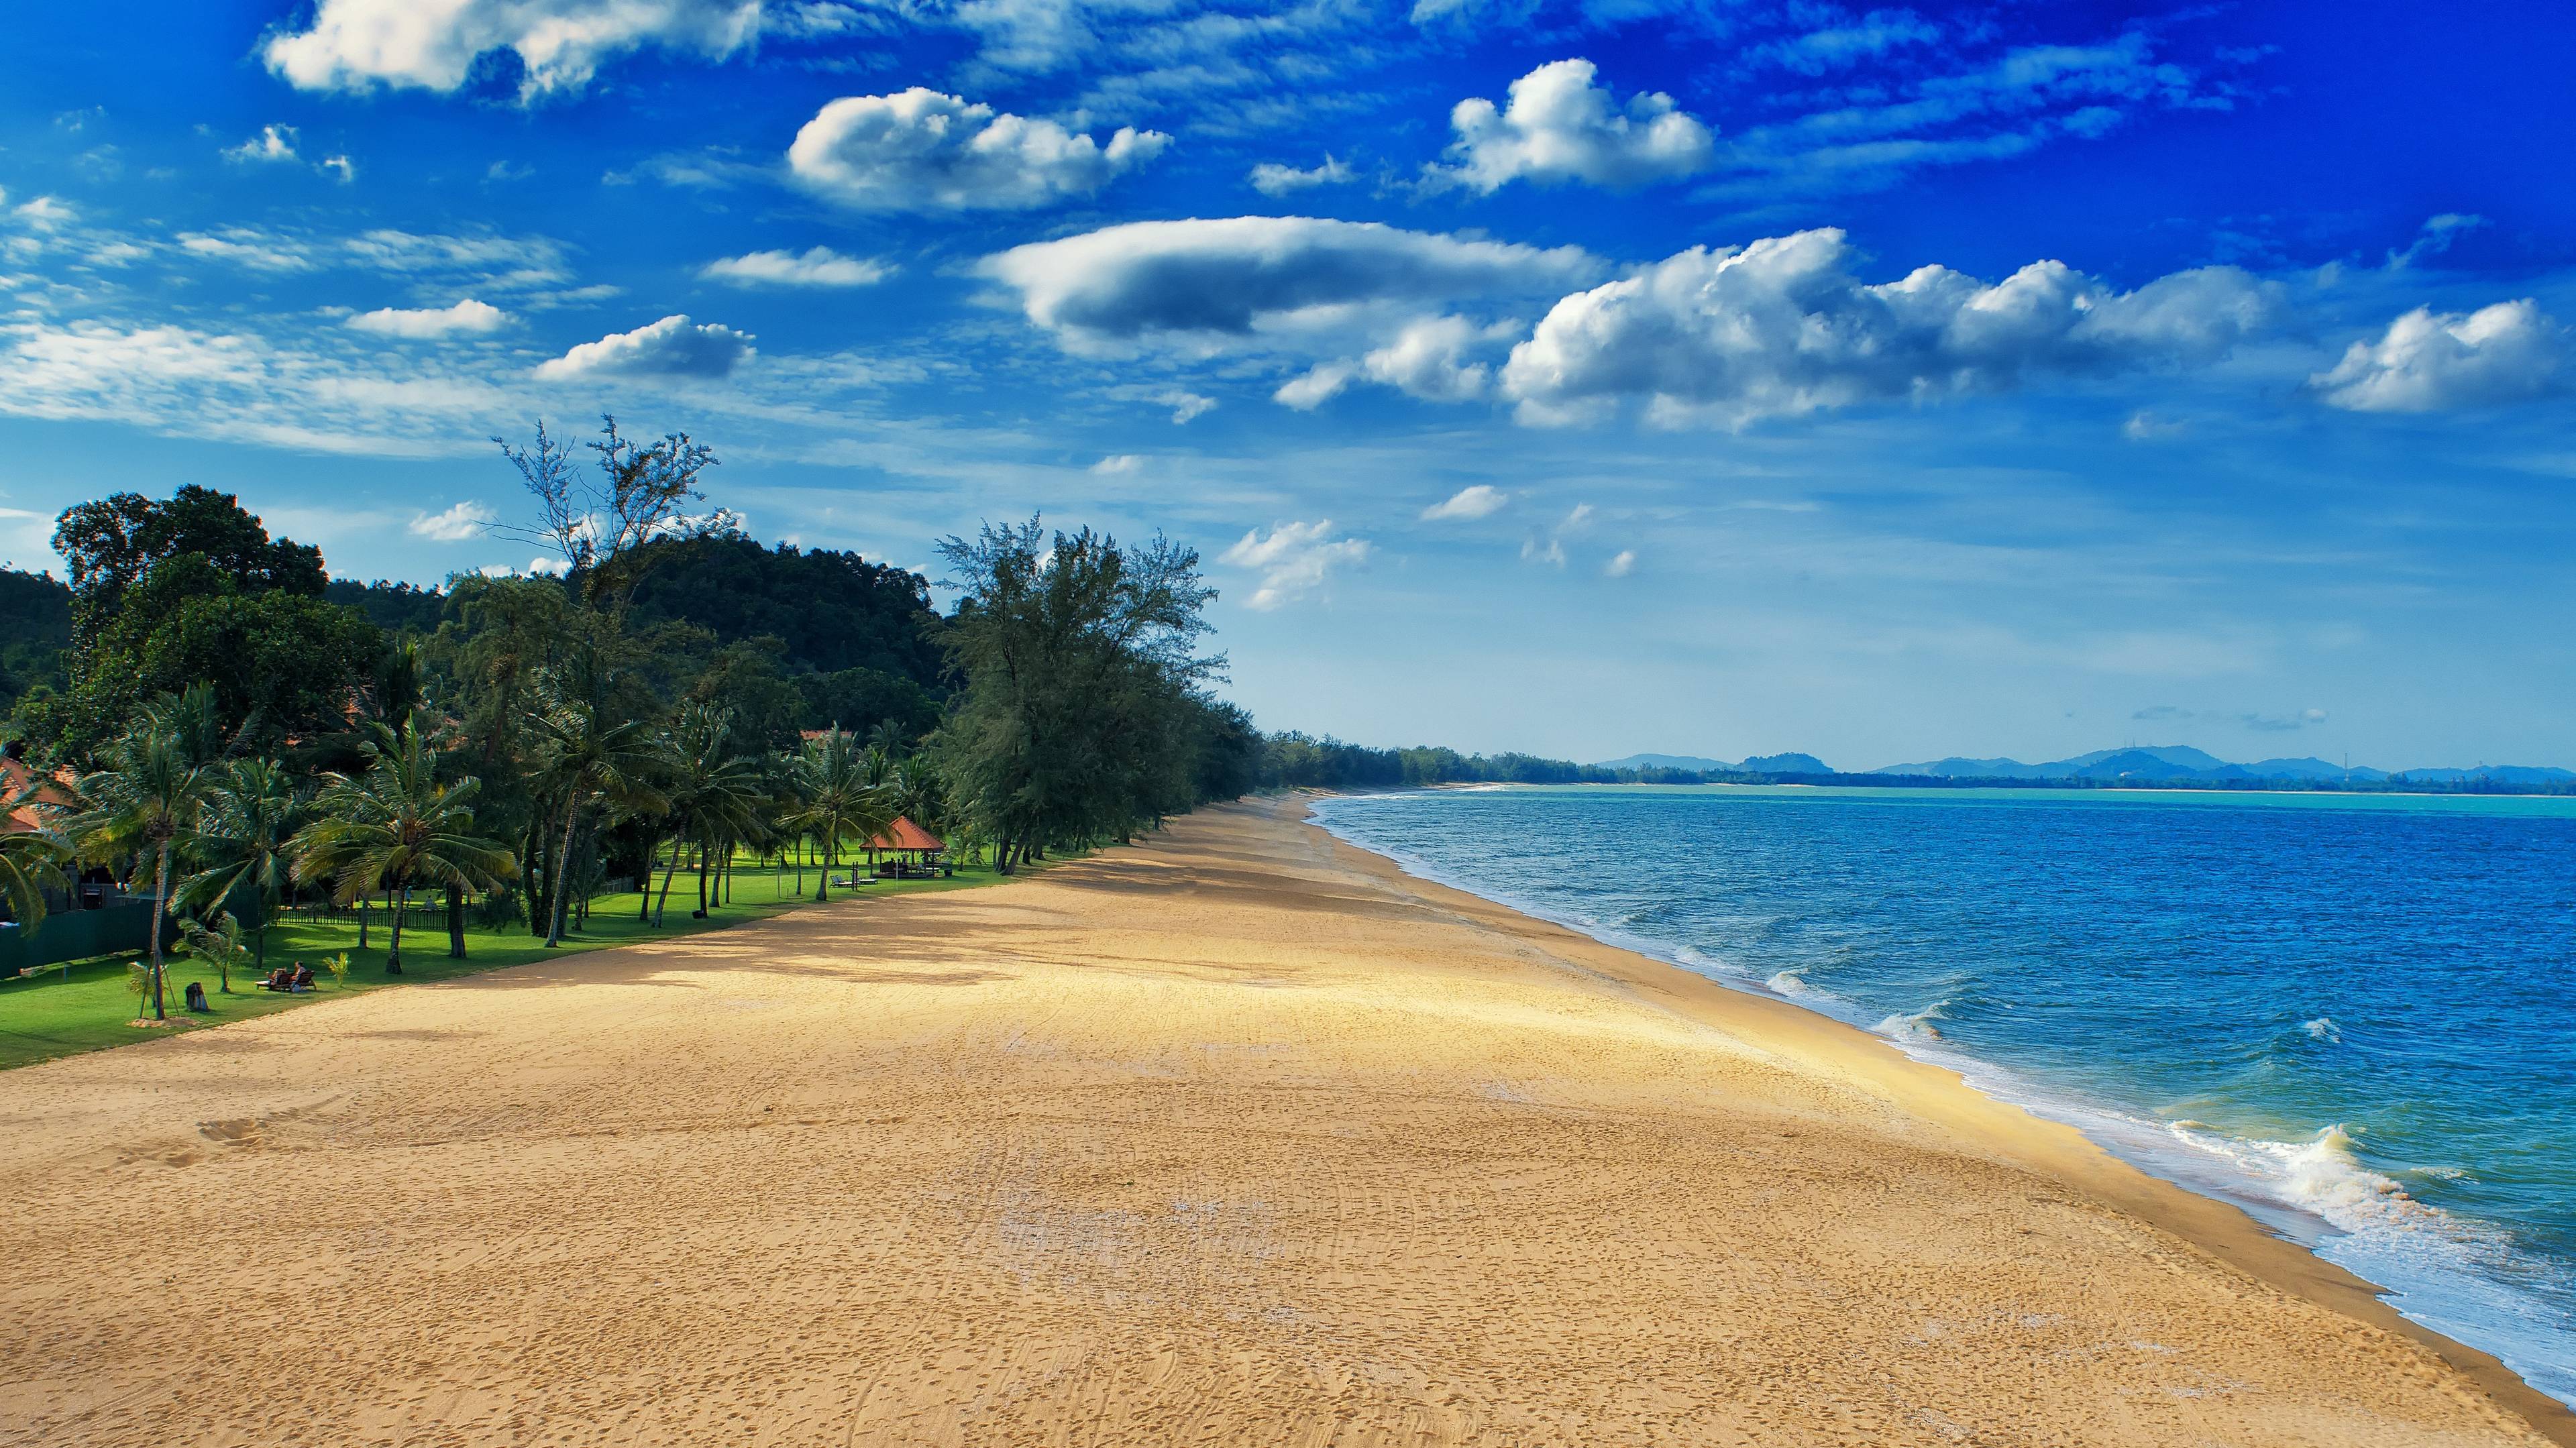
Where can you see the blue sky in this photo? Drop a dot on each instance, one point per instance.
(1583, 378)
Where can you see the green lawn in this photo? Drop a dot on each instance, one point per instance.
(50, 1015)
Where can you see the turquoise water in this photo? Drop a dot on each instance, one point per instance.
(2353, 1015)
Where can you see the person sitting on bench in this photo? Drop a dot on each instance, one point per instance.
(303, 977)
(282, 978)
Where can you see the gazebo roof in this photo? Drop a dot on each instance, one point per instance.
(903, 834)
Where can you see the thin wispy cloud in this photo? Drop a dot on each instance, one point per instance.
(1293, 560)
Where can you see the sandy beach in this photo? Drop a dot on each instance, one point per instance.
(1238, 1136)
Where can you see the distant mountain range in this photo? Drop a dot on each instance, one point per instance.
(1753, 766)
(2164, 762)
(1758, 764)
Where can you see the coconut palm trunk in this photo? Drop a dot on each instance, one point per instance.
(563, 877)
(393, 949)
(664, 903)
(644, 887)
(160, 903)
(455, 922)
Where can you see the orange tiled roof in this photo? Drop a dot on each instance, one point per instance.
(50, 790)
(903, 834)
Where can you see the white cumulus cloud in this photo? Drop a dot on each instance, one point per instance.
(1270, 178)
(272, 144)
(1621, 564)
(1235, 275)
(2428, 361)
(818, 266)
(921, 150)
(1428, 358)
(1293, 561)
(671, 347)
(452, 525)
(357, 45)
(1481, 500)
(1560, 126)
(465, 318)
(1782, 327)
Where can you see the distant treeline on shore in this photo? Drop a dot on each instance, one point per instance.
(1301, 761)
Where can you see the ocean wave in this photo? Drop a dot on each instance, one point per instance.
(1916, 1025)
(1790, 983)
(2323, 1029)
(2324, 1176)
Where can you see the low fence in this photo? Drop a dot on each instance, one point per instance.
(77, 934)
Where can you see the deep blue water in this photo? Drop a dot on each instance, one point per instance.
(2355, 1015)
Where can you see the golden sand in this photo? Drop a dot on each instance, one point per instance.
(1238, 1137)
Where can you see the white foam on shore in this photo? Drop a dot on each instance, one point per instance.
(2458, 1277)
(1915, 1025)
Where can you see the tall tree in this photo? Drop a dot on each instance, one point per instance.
(840, 804)
(714, 791)
(170, 593)
(591, 762)
(600, 525)
(246, 842)
(1081, 673)
(395, 827)
(146, 803)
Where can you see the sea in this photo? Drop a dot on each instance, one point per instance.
(2352, 1015)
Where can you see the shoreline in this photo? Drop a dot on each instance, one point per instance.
(2224, 1229)
(1239, 1134)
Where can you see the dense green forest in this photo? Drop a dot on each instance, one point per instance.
(214, 713)
(35, 627)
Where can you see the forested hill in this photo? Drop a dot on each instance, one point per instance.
(834, 611)
(397, 608)
(35, 626)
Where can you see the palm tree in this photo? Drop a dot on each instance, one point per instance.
(917, 794)
(839, 802)
(30, 860)
(246, 841)
(889, 736)
(222, 945)
(591, 764)
(395, 827)
(716, 793)
(145, 804)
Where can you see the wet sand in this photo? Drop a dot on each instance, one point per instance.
(1235, 1137)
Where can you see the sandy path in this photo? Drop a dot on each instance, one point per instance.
(1234, 1138)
